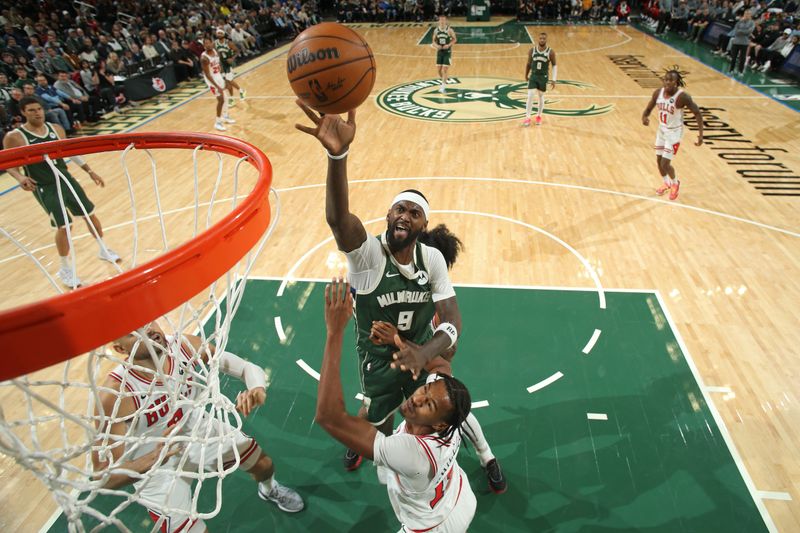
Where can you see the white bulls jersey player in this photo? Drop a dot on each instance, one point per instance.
(670, 124)
(214, 69)
(427, 488)
(162, 404)
(158, 392)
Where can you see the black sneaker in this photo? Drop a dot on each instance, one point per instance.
(497, 481)
(352, 460)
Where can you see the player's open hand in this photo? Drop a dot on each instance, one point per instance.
(247, 401)
(409, 358)
(382, 333)
(96, 179)
(334, 133)
(28, 184)
(338, 305)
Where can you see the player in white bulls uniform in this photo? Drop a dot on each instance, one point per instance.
(212, 73)
(166, 406)
(427, 488)
(671, 100)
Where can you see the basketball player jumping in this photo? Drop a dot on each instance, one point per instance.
(537, 72)
(212, 72)
(426, 486)
(671, 100)
(443, 39)
(40, 179)
(227, 52)
(381, 268)
(157, 405)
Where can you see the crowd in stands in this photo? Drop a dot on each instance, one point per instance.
(762, 34)
(591, 11)
(397, 10)
(74, 57)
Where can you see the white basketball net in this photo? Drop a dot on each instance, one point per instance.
(51, 421)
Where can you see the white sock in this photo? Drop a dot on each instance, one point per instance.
(219, 120)
(474, 432)
(65, 263)
(266, 485)
(225, 107)
(541, 104)
(666, 179)
(528, 104)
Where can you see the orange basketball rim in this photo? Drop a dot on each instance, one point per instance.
(44, 333)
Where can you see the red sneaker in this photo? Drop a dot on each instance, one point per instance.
(661, 190)
(674, 191)
(538, 120)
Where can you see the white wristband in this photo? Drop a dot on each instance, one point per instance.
(78, 160)
(450, 330)
(337, 157)
(235, 366)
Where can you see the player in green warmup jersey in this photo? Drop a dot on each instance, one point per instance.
(541, 58)
(227, 53)
(40, 179)
(443, 39)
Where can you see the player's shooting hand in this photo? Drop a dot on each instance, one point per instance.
(334, 133)
(338, 305)
(409, 358)
(382, 333)
(28, 184)
(247, 401)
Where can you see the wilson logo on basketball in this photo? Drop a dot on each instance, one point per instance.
(478, 99)
(304, 57)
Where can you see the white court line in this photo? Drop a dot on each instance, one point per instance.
(724, 390)
(458, 178)
(310, 371)
(279, 329)
(479, 404)
(726, 436)
(596, 416)
(481, 285)
(767, 495)
(599, 287)
(590, 344)
(545, 382)
(557, 185)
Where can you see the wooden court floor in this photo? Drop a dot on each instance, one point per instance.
(725, 257)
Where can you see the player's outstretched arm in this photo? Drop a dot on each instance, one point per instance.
(355, 433)
(650, 105)
(231, 364)
(14, 140)
(687, 101)
(336, 135)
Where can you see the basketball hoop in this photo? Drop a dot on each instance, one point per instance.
(195, 287)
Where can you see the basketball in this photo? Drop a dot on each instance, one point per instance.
(331, 68)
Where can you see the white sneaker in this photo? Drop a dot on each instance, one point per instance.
(109, 255)
(68, 278)
(228, 120)
(441, 89)
(285, 498)
(219, 126)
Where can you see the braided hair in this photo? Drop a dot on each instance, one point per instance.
(462, 403)
(675, 69)
(443, 240)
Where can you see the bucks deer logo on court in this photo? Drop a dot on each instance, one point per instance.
(478, 99)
